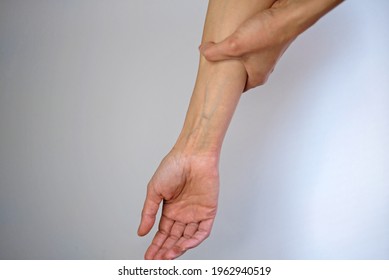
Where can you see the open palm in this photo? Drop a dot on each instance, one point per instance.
(188, 187)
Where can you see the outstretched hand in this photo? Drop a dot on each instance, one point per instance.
(262, 39)
(188, 186)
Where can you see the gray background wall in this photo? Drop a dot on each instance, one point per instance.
(93, 94)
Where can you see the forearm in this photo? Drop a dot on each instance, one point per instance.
(315, 9)
(215, 97)
(298, 15)
(219, 85)
(187, 180)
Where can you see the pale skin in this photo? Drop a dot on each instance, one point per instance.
(259, 42)
(187, 180)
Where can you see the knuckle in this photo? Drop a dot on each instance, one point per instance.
(234, 46)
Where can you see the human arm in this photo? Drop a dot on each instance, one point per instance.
(261, 40)
(187, 180)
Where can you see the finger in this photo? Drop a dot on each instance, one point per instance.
(150, 209)
(176, 232)
(226, 49)
(202, 233)
(178, 249)
(254, 34)
(244, 40)
(257, 76)
(160, 237)
(190, 230)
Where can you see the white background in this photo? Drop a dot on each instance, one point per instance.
(93, 94)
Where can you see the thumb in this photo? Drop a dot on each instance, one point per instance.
(229, 48)
(150, 209)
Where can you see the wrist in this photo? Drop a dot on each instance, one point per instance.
(198, 141)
